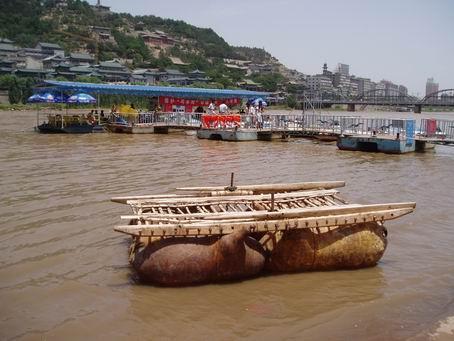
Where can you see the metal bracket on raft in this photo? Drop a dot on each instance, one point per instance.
(231, 188)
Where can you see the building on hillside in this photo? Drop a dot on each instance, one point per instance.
(63, 70)
(236, 67)
(82, 70)
(32, 53)
(81, 59)
(50, 49)
(102, 34)
(197, 76)
(8, 50)
(7, 66)
(53, 61)
(431, 86)
(261, 68)
(157, 39)
(179, 81)
(169, 74)
(147, 76)
(34, 73)
(33, 62)
(6, 41)
(112, 71)
(292, 75)
(238, 62)
(249, 84)
(100, 9)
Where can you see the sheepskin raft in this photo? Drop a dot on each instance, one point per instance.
(212, 234)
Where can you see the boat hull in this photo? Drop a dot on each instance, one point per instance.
(144, 128)
(119, 128)
(70, 129)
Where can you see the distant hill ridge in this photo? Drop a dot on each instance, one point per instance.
(139, 41)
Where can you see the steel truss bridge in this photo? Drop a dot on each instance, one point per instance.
(441, 98)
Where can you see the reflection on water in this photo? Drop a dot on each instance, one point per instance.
(64, 272)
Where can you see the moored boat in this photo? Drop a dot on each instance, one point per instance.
(66, 124)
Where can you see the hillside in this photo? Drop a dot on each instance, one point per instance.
(75, 25)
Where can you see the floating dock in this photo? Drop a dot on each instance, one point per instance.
(383, 144)
(226, 134)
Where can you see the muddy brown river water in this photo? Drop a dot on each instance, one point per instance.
(64, 272)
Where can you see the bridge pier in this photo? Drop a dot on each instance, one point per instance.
(417, 109)
(351, 107)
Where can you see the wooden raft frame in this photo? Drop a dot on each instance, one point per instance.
(266, 208)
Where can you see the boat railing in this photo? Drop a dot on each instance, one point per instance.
(433, 128)
(393, 128)
(59, 119)
(178, 119)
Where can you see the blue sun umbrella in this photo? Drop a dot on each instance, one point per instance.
(48, 97)
(82, 99)
(41, 98)
(255, 101)
(61, 98)
(35, 98)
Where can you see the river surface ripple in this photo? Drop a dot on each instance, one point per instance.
(64, 272)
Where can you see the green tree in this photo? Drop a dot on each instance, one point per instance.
(19, 89)
(291, 101)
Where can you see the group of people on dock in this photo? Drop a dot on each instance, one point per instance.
(223, 115)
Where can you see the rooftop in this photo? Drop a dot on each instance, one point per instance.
(82, 69)
(174, 72)
(8, 47)
(81, 56)
(49, 46)
(111, 64)
(153, 90)
(5, 41)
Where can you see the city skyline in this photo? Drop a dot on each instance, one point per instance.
(406, 42)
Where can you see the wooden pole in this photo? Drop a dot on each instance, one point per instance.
(211, 228)
(268, 188)
(204, 200)
(286, 213)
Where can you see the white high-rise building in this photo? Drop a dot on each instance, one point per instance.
(431, 86)
(343, 69)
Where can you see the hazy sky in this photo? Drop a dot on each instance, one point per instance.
(405, 41)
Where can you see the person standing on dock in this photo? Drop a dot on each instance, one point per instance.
(258, 113)
(223, 109)
(212, 108)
